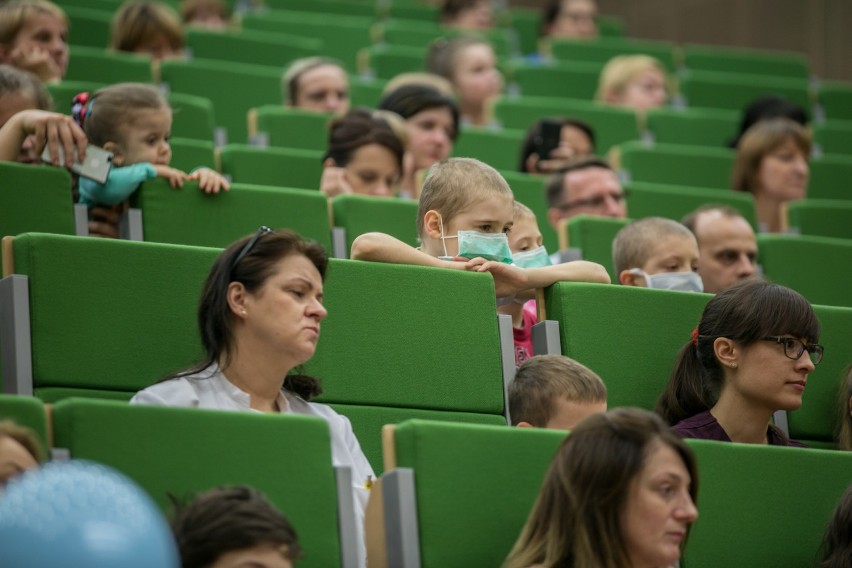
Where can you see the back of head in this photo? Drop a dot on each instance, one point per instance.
(110, 108)
(620, 71)
(765, 108)
(15, 81)
(543, 379)
(576, 520)
(690, 220)
(555, 189)
(745, 312)
(455, 184)
(408, 100)
(360, 128)
(138, 23)
(190, 9)
(294, 72)
(836, 549)
(634, 243)
(14, 16)
(419, 78)
(761, 139)
(443, 54)
(230, 519)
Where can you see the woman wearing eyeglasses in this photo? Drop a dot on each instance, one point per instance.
(749, 357)
(259, 318)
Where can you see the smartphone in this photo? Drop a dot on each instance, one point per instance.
(548, 138)
(95, 166)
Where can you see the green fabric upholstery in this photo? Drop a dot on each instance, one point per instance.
(629, 336)
(604, 49)
(365, 92)
(387, 342)
(822, 217)
(289, 127)
(593, 236)
(283, 167)
(835, 99)
(387, 61)
(360, 214)
(813, 266)
(191, 217)
(256, 47)
(89, 27)
(677, 165)
(675, 201)
(191, 153)
(529, 189)
(63, 93)
(413, 33)
(733, 91)
(830, 177)
(473, 478)
(791, 65)
(763, 505)
(411, 11)
(500, 149)
(367, 422)
(192, 117)
(570, 80)
(35, 199)
(526, 22)
(611, 27)
(55, 394)
(834, 137)
(693, 126)
(102, 66)
(233, 88)
(25, 411)
(612, 125)
(182, 451)
(343, 35)
(325, 7)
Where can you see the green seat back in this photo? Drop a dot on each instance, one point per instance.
(386, 61)
(35, 198)
(89, 27)
(733, 91)
(813, 266)
(612, 125)
(529, 189)
(646, 328)
(413, 33)
(289, 127)
(365, 92)
(693, 126)
(282, 167)
(233, 88)
(500, 149)
(834, 137)
(359, 214)
(189, 216)
(180, 451)
(325, 7)
(611, 26)
(570, 80)
(526, 23)
(835, 99)
(792, 65)
(763, 505)
(250, 46)
(822, 217)
(189, 153)
(830, 177)
(593, 236)
(25, 411)
(411, 11)
(675, 201)
(101, 66)
(192, 117)
(463, 479)
(602, 50)
(677, 165)
(64, 92)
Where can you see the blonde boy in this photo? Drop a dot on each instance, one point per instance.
(657, 253)
(465, 207)
(553, 391)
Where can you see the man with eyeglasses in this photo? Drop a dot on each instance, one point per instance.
(588, 186)
(575, 19)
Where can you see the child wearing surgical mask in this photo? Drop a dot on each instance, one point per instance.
(657, 253)
(463, 221)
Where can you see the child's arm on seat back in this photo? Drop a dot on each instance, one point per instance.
(379, 247)
(123, 181)
(209, 181)
(510, 279)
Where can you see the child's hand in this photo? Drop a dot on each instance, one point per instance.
(175, 177)
(37, 61)
(210, 181)
(333, 182)
(508, 279)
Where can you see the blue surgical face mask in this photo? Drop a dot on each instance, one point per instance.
(682, 281)
(532, 258)
(490, 246)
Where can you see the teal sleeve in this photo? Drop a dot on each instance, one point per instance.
(120, 184)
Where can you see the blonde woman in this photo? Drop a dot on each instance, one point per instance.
(638, 82)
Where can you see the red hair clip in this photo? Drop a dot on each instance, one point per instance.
(695, 337)
(81, 106)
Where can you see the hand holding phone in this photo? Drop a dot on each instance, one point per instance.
(550, 134)
(95, 165)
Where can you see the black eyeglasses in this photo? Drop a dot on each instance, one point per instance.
(595, 202)
(249, 245)
(793, 348)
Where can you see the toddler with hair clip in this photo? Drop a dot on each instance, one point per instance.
(133, 121)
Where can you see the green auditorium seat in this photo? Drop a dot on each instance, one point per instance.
(288, 127)
(387, 61)
(675, 201)
(817, 267)
(501, 149)
(830, 177)
(787, 64)
(414, 33)
(676, 165)
(35, 199)
(189, 216)
(526, 23)
(835, 100)
(611, 26)
(25, 411)
(89, 27)
(282, 167)
(530, 190)
(364, 91)
(102, 5)
(326, 7)
(763, 505)
(250, 46)
(612, 125)
(602, 50)
(101, 66)
(733, 91)
(181, 451)
(355, 215)
(570, 80)
(410, 11)
(189, 154)
(451, 477)
(593, 236)
(192, 117)
(342, 35)
(233, 88)
(833, 137)
(63, 93)
(692, 126)
(822, 217)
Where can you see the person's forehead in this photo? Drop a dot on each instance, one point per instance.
(713, 227)
(591, 180)
(672, 245)
(323, 72)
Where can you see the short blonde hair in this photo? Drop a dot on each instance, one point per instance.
(440, 84)
(138, 22)
(444, 53)
(761, 139)
(14, 15)
(190, 8)
(297, 68)
(113, 107)
(633, 244)
(521, 211)
(455, 184)
(621, 70)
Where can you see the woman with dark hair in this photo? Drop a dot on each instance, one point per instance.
(576, 140)
(765, 108)
(749, 357)
(836, 550)
(431, 124)
(365, 154)
(620, 492)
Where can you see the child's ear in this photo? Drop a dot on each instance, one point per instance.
(329, 163)
(432, 224)
(118, 157)
(627, 278)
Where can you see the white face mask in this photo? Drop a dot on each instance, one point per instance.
(490, 246)
(532, 258)
(683, 281)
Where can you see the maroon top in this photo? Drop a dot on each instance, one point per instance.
(706, 427)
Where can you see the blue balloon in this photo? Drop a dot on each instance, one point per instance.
(82, 514)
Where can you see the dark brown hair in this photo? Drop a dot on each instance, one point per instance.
(836, 549)
(761, 139)
(360, 128)
(113, 107)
